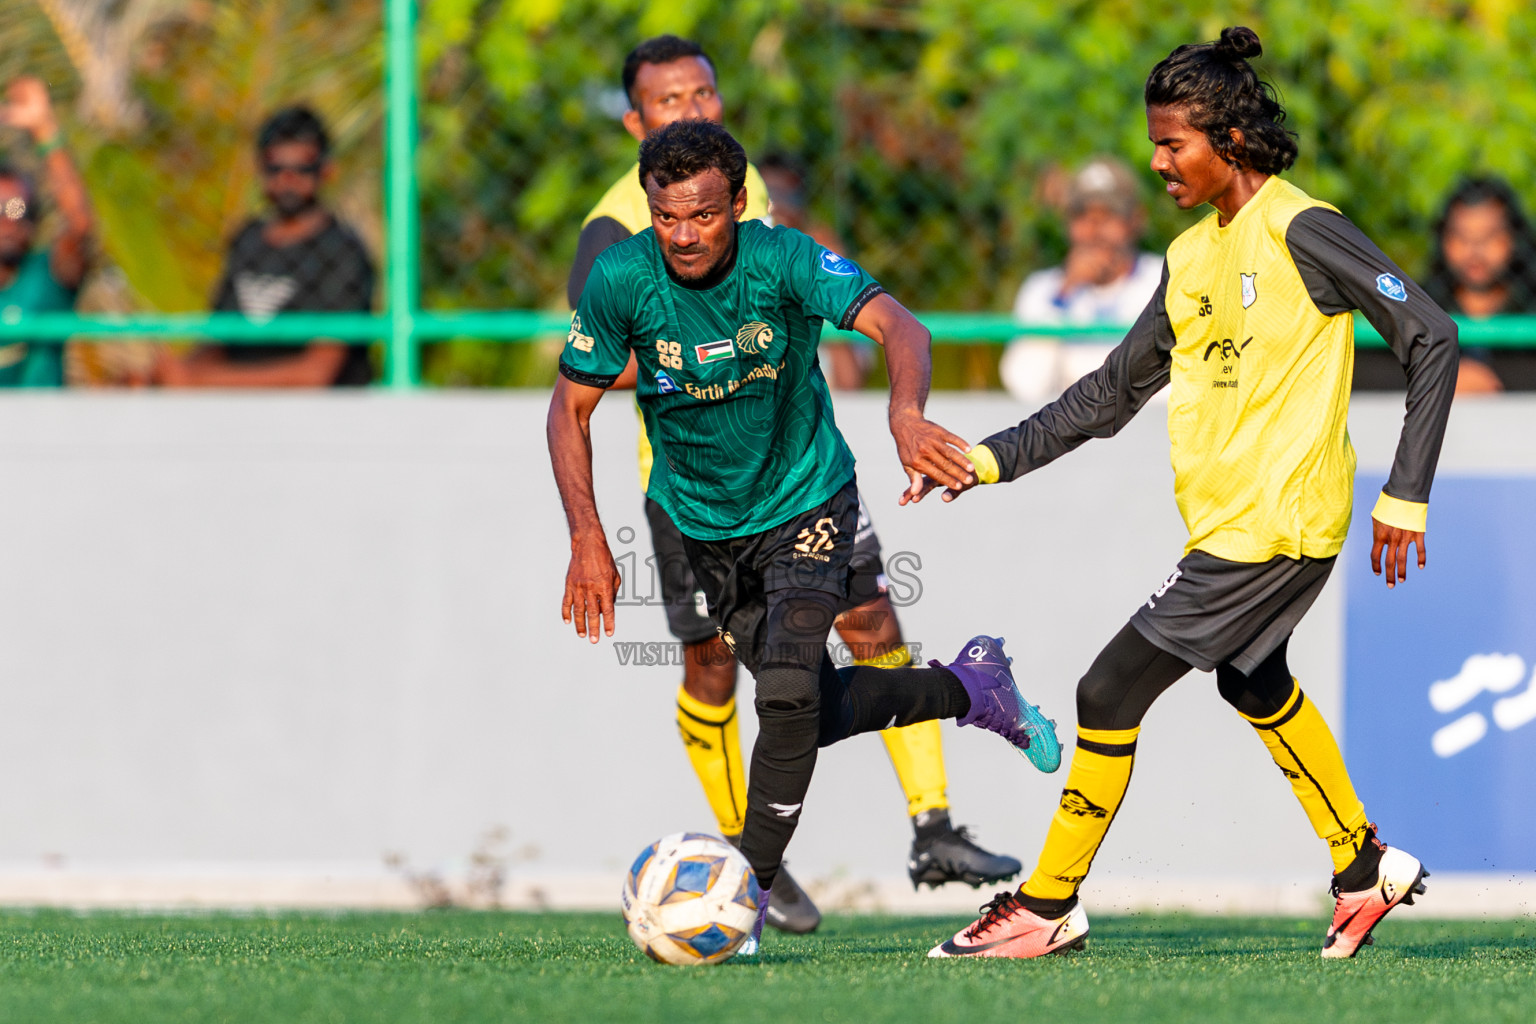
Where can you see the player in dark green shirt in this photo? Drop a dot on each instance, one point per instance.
(739, 458)
(724, 318)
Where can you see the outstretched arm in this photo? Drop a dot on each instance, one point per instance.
(28, 108)
(1098, 405)
(1344, 270)
(926, 449)
(592, 580)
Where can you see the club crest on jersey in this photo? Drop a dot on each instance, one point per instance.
(1392, 288)
(754, 338)
(665, 385)
(1250, 289)
(834, 264)
(714, 351)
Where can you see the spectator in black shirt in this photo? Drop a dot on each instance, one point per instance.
(1483, 264)
(300, 259)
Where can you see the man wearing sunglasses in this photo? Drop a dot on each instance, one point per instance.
(300, 258)
(39, 279)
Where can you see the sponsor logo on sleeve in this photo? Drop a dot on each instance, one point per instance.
(577, 340)
(665, 385)
(1250, 288)
(836, 265)
(714, 351)
(1392, 288)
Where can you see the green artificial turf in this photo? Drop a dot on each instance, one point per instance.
(468, 966)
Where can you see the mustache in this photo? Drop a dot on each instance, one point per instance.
(291, 203)
(687, 250)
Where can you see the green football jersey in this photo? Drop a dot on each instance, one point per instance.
(732, 395)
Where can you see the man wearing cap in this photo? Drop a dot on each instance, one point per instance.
(1105, 280)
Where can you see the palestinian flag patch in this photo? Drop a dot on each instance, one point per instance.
(714, 351)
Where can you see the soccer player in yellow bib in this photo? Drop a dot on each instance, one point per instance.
(1251, 330)
(668, 79)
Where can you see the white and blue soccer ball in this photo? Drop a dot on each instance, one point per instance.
(690, 898)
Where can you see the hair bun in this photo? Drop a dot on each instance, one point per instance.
(1239, 42)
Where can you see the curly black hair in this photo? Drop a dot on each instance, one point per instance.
(658, 50)
(1218, 91)
(682, 149)
(1519, 276)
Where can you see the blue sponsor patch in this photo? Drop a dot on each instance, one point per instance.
(1392, 288)
(832, 263)
(665, 385)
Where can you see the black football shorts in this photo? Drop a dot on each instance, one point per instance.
(1212, 611)
(682, 597)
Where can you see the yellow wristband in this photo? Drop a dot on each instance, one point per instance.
(986, 464)
(1405, 515)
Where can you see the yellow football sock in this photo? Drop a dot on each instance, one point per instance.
(1096, 783)
(1304, 749)
(917, 751)
(714, 746)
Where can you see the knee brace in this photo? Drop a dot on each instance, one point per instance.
(785, 690)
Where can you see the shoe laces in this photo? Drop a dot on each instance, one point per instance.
(961, 835)
(964, 835)
(996, 910)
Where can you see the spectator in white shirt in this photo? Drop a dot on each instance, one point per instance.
(1105, 280)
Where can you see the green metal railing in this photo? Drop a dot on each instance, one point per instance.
(407, 327)
(403, 222)
(404, 327)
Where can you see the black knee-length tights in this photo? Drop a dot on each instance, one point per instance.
(1131, 672)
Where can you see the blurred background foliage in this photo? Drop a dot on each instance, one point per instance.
(928, 127)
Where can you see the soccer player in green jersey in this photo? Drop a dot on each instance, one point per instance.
(668, 79)
(1252, 332)
(723, 317)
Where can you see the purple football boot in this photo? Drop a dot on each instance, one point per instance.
(998, 706)
(749, 947)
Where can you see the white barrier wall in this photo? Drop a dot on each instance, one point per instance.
(254, 645)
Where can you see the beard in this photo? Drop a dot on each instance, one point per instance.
(291, 204)
(1481, 283)
(696, 272)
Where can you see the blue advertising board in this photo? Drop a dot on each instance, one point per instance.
(1440, 679)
